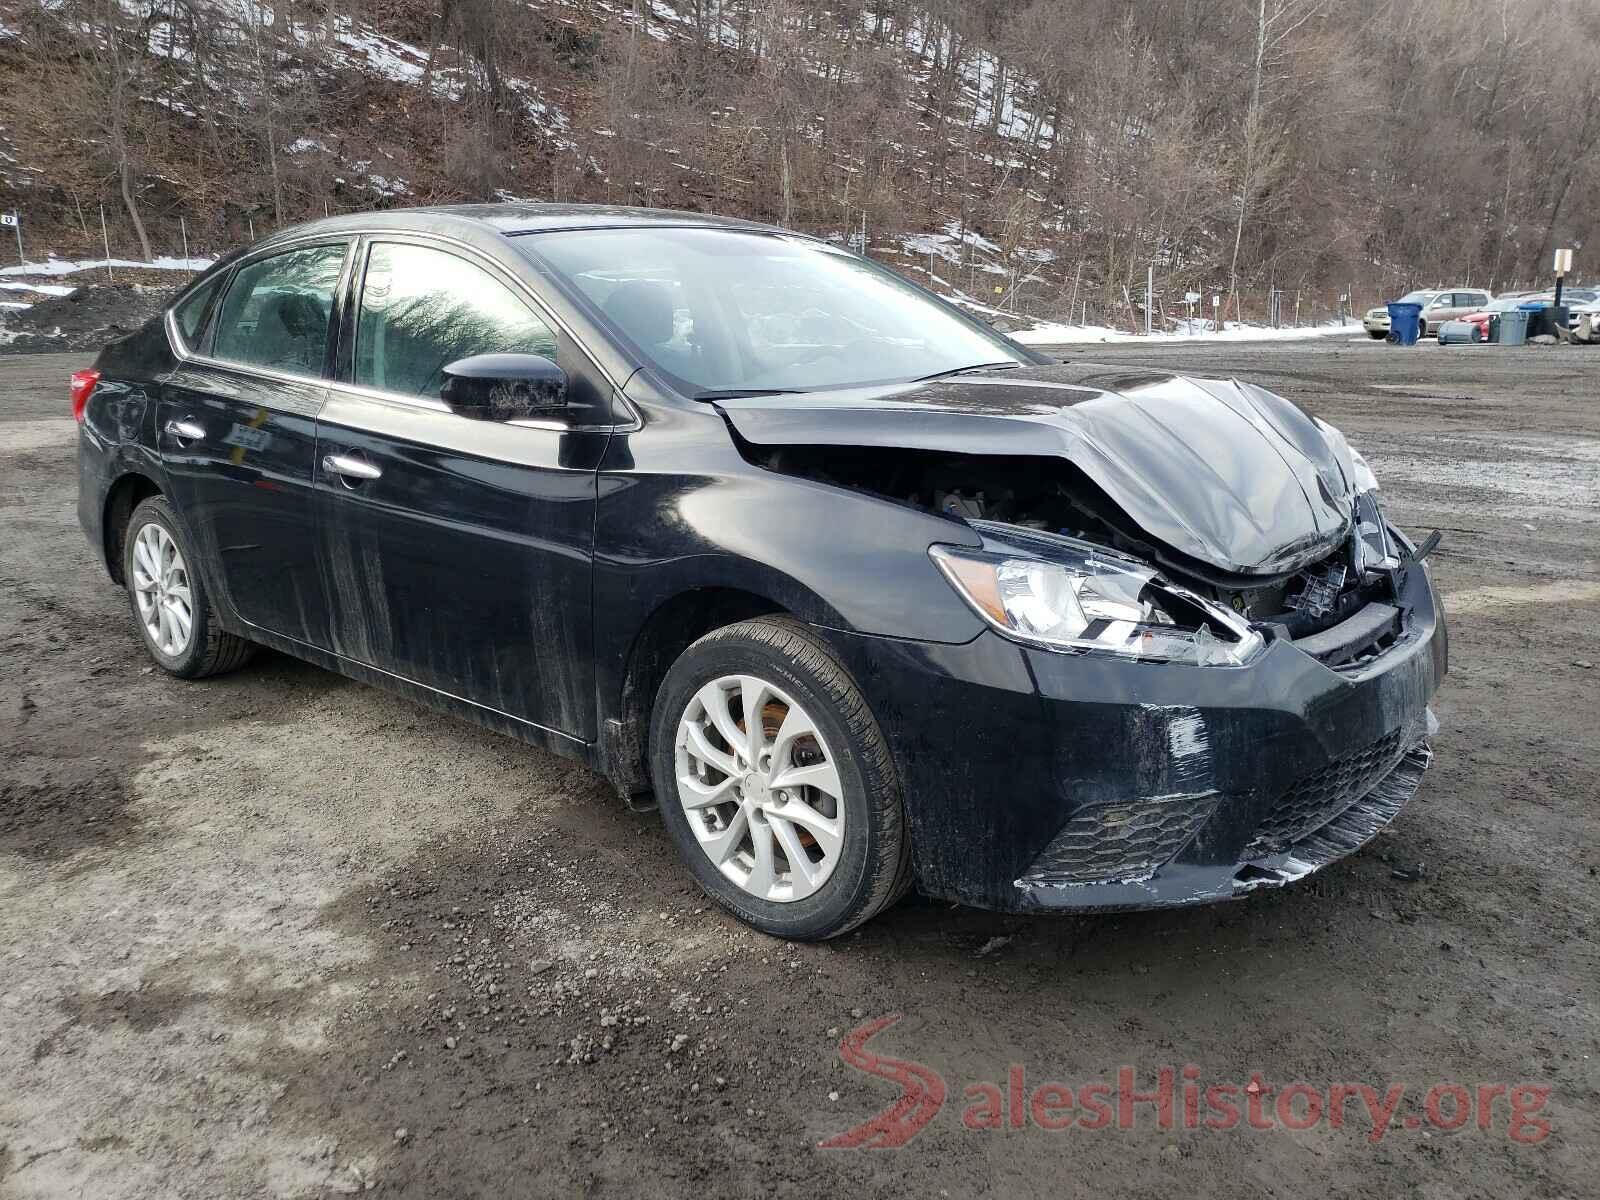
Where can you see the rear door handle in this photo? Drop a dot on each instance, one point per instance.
(350, 468)
(186, 430)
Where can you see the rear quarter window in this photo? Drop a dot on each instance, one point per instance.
(192, 309)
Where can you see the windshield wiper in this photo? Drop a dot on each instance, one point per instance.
(741, 393)
(1008, 364)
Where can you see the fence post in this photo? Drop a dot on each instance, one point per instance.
(184, 226)
(1149, 296)
(105, 239)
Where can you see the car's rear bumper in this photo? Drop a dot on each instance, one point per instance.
(1045, 781)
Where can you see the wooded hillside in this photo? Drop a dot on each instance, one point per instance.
(1058, 147)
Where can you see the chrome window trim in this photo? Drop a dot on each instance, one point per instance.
(359, 241)
(181, 349)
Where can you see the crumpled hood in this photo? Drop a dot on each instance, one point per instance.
(1223, 471)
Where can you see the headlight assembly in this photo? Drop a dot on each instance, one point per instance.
(1372, 548)
(1063, 594)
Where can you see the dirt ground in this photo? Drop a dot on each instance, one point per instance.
(278, 934)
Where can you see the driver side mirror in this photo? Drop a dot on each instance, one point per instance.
(504, 387)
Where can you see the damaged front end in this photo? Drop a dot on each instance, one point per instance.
(1231, 648)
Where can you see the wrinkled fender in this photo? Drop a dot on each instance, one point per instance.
(681, 510)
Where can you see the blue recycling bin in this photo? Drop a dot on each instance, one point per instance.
(1405, 323)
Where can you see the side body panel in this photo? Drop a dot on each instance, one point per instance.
(465, 564)
(244, 487)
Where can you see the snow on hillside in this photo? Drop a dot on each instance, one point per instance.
(61, 266)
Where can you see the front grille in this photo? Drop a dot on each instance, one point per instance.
(1120, 841)
(1315, 799)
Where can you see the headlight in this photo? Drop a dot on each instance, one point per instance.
(1372, 548)
(1064, 594)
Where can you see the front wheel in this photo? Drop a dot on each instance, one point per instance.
(170, 604)
(776, 783)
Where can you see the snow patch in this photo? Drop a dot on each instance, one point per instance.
(46, 289)
(62, 266)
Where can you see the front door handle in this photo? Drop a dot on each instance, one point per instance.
(350, 468)
(186, 430)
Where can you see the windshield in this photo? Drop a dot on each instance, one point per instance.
(1421, 297)
(726, 312)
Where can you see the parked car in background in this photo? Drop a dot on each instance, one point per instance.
(1579, 303)
(1450, 305)
(1438, 306)
(1376, 322)
(1484, 317)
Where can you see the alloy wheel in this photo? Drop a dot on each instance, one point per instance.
(161, 587)
(760, 788)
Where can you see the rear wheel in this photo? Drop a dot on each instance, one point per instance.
(776, 783)
(170, 605)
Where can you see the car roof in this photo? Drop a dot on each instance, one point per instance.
(509, 219)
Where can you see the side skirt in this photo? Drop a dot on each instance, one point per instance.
(553, 740)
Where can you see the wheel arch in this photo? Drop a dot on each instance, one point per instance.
(125, 494)
(671, 628)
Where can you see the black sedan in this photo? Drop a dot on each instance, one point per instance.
(855, 587)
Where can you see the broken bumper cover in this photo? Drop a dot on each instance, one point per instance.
(1347, 820)
(1042, 781)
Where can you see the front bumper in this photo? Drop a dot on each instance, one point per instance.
(1044, 781)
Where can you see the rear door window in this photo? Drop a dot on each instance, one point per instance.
(422, 309)
(278, 310)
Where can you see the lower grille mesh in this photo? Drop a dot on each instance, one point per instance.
(1120, 841)
(1315, 799)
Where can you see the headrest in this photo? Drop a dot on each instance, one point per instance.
(299, 314)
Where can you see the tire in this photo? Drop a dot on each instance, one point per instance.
(207, 649)
(1422, 330)
(869, 867)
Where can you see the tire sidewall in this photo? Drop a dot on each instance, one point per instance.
(156, 511)
(848, 890)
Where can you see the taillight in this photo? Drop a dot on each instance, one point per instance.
(82, 387)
